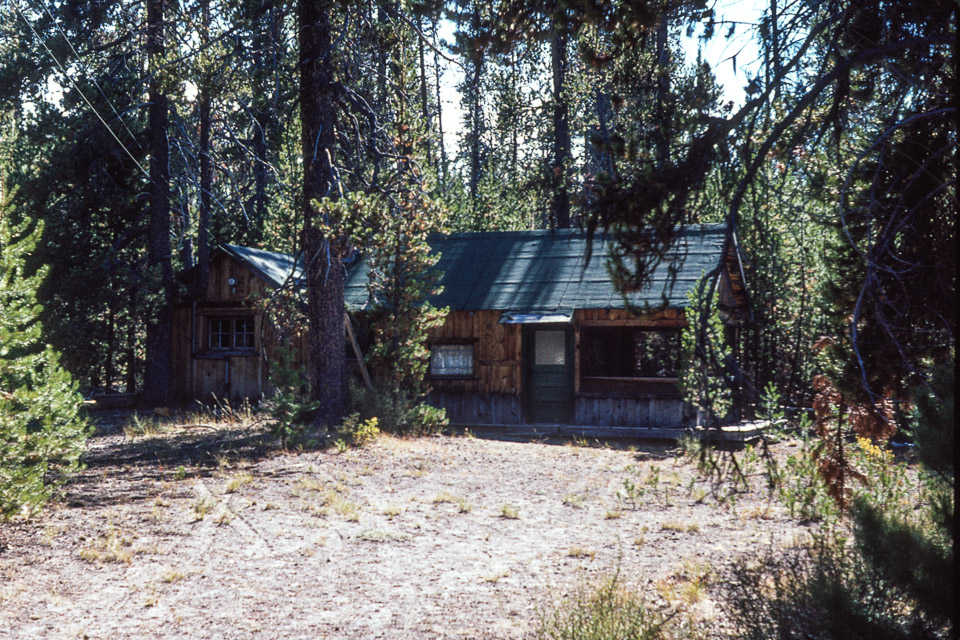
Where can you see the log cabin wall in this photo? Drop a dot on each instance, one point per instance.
(492, 394)
(627, 402)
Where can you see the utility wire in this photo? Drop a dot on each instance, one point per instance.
(16, 6)
(91, 76)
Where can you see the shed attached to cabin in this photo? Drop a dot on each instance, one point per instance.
(221, 346)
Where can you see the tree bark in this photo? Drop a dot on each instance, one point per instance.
(424, 104)
(158, 367)
(442, 160)
(131, 347)
(474, 98)
(206, 171)
(663, 92)
(561, 130)
(206, 184)
(322, 252)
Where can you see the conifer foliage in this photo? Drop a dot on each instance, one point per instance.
(41, 431)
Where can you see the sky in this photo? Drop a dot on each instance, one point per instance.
(731, 59)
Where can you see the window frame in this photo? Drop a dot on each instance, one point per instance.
(233, 332)
(635, 365)
(453, 343)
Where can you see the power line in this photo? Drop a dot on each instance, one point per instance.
(90, 75)
(16, 6)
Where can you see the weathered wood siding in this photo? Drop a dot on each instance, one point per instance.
(470, 407)
(201, 373)
(649, 411)
(494, 394)
(624, 318)
(496, 358)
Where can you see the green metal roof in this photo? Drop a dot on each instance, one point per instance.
(543, 272)
(273, 267)
(526, 272)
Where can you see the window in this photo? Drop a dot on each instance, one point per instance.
(451, 360)
(629, 352)
(231, 334)
(550, 348)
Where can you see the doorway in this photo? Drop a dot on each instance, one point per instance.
(548, 367)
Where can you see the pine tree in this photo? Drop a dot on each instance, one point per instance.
(41, 431)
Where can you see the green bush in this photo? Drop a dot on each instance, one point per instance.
(802, 490)
(357, 432)
(704, 379)
(289, 406)
(886, 572)
(397, 413)
(42, 434)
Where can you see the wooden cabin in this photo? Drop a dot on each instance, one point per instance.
(535, 335)
(221, 346)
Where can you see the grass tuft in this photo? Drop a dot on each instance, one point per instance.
(509, 511)
(238, 481)
(608, 611)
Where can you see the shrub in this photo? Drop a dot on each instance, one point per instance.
(802, 490)
(42, 434)
(396, 413)
(704, 379)
(358, 432)
(893, 579)
(289, 406)
(608, 611)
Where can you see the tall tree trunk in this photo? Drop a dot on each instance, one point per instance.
(443, 149)
(663, 91)
(131, 351)
(206, 184)
(264, 124)
(560, 207)
(206, 170)
(424, 104)
(158, 368)
(108, 371)
(322, 253)
(775, 45)
(476, 125)
(261, 171)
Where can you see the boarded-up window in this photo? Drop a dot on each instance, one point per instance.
(629, 352)
(451, 360)
(231, 334)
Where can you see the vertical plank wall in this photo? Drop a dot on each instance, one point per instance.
(492, 395)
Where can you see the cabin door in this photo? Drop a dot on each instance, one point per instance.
(548, 359)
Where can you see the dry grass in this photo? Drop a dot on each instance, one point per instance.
(509, 511)
(113, 546)
(375, 518)
(681, 527)
(238, 481)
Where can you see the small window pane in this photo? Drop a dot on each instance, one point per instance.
(657, 353)
(549, 348)
(220, 333)
(243, 335)
(451, 360)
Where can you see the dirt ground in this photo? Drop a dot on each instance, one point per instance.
(204, 532)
